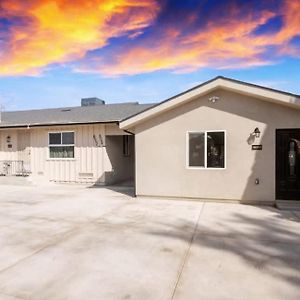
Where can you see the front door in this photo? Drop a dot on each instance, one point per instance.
(288, 164)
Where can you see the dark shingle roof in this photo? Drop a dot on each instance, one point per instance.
(106, 113)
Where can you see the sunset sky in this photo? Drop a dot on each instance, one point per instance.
(54, 52)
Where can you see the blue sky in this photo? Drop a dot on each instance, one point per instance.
(51, 57)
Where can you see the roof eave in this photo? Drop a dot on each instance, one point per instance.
(16, 126)
(263, 93)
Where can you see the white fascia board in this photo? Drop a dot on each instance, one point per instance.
(241, 88)
(170, 104)
(262, 93)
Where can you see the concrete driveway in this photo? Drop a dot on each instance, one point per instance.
(71, 242)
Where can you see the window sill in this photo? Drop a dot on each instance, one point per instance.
(203, 168)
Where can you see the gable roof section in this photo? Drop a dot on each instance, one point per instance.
(264, 93)
(106, 113)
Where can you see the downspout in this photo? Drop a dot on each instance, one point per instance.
(131, 133)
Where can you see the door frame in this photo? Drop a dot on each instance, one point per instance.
(277, 197)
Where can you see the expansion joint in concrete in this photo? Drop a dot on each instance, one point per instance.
(187, 253)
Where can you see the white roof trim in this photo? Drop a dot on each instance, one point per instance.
(219, 82)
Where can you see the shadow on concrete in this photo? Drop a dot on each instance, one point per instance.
(124, 190)
(271, 245)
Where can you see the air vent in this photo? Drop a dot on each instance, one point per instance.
(86, 175)
(92, 101)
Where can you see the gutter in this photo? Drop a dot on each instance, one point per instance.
(56, 124)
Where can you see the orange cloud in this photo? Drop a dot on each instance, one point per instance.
(230, 43)
(59, 31)
(56, 32)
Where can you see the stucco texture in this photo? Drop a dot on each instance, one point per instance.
(161, 149)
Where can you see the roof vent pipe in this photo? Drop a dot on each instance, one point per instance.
(92, 101)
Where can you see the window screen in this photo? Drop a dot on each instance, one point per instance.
(196, 149)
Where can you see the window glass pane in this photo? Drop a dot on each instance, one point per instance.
(54, 138)
(215, 149)
(196, 149)
(68, 138)
(62, 152)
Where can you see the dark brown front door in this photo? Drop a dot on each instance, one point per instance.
(288, 164)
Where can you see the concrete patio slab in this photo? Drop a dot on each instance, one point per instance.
(231, 268)
(254, 222)
(98, 263)
(61, 242)
(7, 297)
(243, 252)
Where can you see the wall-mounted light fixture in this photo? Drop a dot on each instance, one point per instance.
(256, 132)
(213, 99)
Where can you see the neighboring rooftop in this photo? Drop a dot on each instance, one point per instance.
(95, 112)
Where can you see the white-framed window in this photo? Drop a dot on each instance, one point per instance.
(206, 149)
(62, 144)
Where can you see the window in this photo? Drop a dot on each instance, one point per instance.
(126, 149)
(61, 145)
(196, 149)
(206, 149)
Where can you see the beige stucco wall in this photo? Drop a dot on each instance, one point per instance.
(91, 161)
(161, 149)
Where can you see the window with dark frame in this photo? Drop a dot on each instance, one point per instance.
(206, 149)
(61, 144)
(126, 148)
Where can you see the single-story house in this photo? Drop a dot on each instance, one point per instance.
(72, 144)
(224, 139)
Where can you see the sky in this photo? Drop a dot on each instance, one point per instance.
(55, 52)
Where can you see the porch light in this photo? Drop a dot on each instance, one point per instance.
(256, 132)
